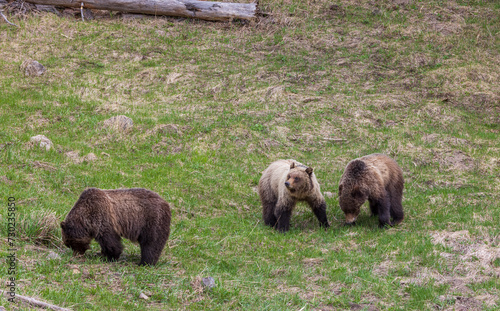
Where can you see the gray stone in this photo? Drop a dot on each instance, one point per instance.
(208, 282)
(32, 68)
(42, 141)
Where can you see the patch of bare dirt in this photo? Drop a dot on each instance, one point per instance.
(384, 267)
(167, 146)
(362, 306)
(471, 261)
(37, 120)
(476, 257)
(455, 160)
(444, 141)
(165, 129)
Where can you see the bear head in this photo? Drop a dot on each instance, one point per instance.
(351, 197)
(299, 180)
(75, 238)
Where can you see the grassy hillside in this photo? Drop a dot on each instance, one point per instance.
(213, 104)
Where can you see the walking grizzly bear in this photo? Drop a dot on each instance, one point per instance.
(282, 185)
(137, 214)
(378, 179)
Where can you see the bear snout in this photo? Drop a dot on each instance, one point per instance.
(287, 184)
(350, 219)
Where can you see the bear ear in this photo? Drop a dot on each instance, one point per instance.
(309, 170)
(356, 192)
(292, 165)
(63, 225)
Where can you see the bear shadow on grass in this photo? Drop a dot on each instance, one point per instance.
(364, 220)
(94, 255)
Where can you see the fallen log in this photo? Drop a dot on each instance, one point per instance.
(207, 10)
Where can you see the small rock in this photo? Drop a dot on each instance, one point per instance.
(208, 283)
(87, 14)
(76, 271)
(42, 141)
(2, 308)
(53, 255)
(328, 194)
(90, 157)
(120, 122)
(143, 296)
(32, 68)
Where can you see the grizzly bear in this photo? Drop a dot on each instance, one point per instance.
(378, 179)
(137, 214)
(282, 185)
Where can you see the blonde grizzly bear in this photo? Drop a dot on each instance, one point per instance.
(378, 179)
(282, 185)
(137, 214)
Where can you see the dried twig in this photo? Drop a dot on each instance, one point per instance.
(37, 303)
(1, 13)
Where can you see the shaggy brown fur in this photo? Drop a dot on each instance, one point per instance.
(282, 185)
(378, 179)
(137, 214)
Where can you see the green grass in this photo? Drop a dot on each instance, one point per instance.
(213, 105)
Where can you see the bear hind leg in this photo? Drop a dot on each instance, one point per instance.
(151, 250)
(150, 254)
(397, 210)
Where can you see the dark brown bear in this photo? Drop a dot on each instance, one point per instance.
(137, 214)
(282, 185)
(378, 179)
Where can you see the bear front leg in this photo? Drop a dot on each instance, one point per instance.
(373, 208)
(111, 245)
(283, 223)
(283, 213)
(319, 209)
